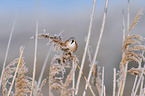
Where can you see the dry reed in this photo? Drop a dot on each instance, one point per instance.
(86, 47)
(133, 50)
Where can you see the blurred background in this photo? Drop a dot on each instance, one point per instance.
(72, 16)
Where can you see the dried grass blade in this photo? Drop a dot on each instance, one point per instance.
(123, 24)
(87, 82)
(134, 22)
(67, 82)
(44, 66)
(97, 47)
(20, 60)
(86, 47)
(35, 53)
(102, 90)
(73, 80)
(137, 47)
(114, 81)
(7, 51)
(141, 76)
(141, 87)
(124, 80)
(137, 37)
(128, 15)
(132, 93)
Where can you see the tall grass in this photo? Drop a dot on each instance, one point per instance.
(15, 82)
(86, 47)
(7, 51)
(35, 53)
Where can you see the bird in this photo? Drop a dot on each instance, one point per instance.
(71, 44)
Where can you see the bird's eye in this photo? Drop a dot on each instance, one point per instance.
(72, 41)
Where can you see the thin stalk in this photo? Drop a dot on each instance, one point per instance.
(123, 24)
(139, 81)
(122, 86)
(97, 86)
(132, 93)
(73, 80)
(44, 66)
(86, 47)
(20, 58)
(35, 54)
(140, 60)
(104, 91)
(87, 82)
(102, 81)
(8, 46)
(89, 55)
(119, 88)
(141, 87)
(114, 81)
(124, 80)
(128, 15)
(123, 83)
(97, 47)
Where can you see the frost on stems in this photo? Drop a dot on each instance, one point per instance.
(96, 78)
(132, 45)
(58, 66)
(132, 48)
(22, 82)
